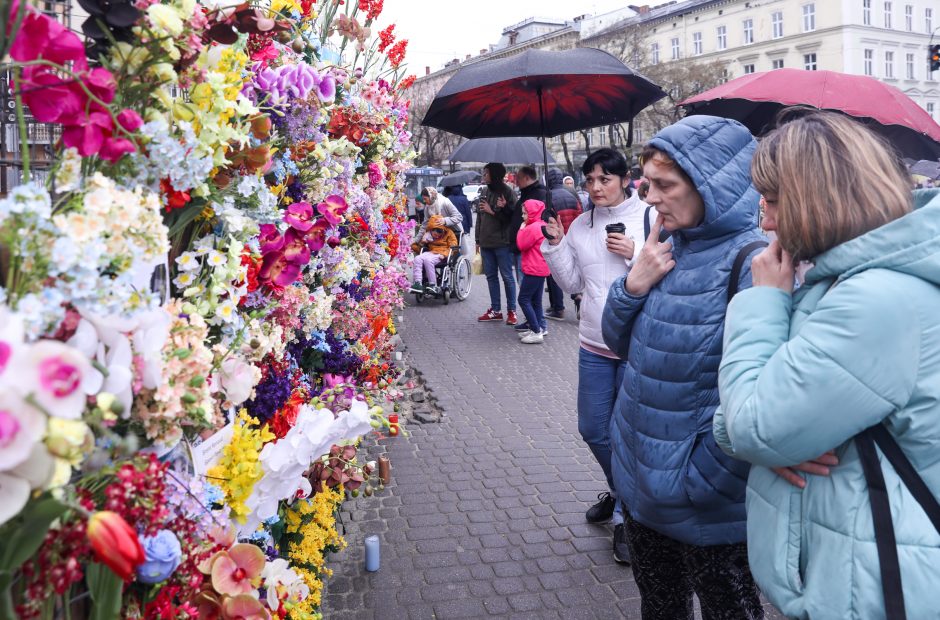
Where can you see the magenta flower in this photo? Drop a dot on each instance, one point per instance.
(270, 239)
(90, 137)
(277, 270)
(300, 216)
(295, 248)
(42, 37)
(333, 209)
(326, 90)
(114, 149)
(316, 236)
(129, 120)
(50, 98)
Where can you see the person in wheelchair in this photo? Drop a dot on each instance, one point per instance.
(434, 247)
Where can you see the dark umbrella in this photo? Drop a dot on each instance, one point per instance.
(461, 177)
(523, 150)
(754, 99)
(540, 93)
(927, 168)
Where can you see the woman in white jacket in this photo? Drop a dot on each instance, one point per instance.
(588, 260)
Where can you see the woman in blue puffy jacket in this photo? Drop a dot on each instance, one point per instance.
(857, 346)
(686, 523)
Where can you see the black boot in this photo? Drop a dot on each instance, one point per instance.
(603, 510)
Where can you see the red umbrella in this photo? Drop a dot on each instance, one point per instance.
(754, 99)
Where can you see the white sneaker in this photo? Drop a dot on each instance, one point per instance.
(525, 333)
(533, 338)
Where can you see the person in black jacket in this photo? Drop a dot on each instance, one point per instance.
(566, 205)
(496, 207)
(459, 200)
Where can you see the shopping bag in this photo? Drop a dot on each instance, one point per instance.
(476, 264)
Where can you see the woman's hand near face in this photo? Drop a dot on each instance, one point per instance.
(620, 244)
(653, 262)
(554, 228)
(773, 267)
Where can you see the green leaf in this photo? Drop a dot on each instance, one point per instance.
(106, 590)
(23, 535)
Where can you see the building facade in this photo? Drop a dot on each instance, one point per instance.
(886, 39)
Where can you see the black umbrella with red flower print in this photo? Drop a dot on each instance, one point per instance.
(540, 93)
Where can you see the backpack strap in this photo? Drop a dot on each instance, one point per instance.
(663, 234)
(885, 540)
(738, 264)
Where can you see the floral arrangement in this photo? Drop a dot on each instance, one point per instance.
(196, 303)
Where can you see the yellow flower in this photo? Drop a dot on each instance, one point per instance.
(239, 467)
(165, 17)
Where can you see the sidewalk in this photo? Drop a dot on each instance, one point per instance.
(485, 513)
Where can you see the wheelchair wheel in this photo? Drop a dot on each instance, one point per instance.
(446, 295)
(418, 298)
(462, 279)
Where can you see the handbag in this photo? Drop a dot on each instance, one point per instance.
(885, 541)
(476, 264)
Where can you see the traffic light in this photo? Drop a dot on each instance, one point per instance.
(935, 57)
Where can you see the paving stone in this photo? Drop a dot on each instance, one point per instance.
(485, 513)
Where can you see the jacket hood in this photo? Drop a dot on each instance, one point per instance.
(910, 244)
(436, 221)
(716, 154)
(533, 209)
(554, 178)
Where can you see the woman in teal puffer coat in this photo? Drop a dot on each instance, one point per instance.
(858, 345)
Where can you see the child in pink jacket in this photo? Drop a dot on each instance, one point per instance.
(534, 271)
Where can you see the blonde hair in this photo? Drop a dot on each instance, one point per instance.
(834, 180)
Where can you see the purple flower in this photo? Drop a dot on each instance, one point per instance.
(163, 554)
(300, 216)
(270, 396)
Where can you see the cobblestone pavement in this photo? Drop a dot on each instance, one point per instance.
(485, 513)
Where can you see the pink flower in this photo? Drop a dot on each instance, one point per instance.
(90, 137)
(21, 428)
(129, 120)
(316, 236)
(270, 239)
(300, 216)
(295, 248)
(101, 83)
(43, 37)
(375, 174)
(50, 98)
(52, 373)
(333, 209)
(114, 149)
(276, 270)
(237, 570)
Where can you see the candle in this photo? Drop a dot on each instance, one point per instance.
(373, 553)
(385, 470)
(393, 424)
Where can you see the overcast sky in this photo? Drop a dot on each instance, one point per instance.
(440, 31)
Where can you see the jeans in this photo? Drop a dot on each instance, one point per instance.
(556, 297)
(599, 380)
(530, 301)
(427, 260)
(497, 262)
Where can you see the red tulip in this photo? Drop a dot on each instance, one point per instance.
(115, 543)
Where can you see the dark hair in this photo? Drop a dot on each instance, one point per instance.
(610, 161)
(497, 171)
(452, 190)
(529, 171)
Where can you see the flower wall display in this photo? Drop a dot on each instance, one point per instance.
(196, 306)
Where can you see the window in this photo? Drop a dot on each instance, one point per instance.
(697, 43)
(748, 69)
(889, 64)
(909, 17)
(675, 49)
(869, 57)
(887, 15)
(928, 20)
(809, 62)
(722, 37)
(778, 64)
(748, 31)
(930, 110)
(654, 53)
(866, 12)
(809, 17)
(776, 19)
(909, 63)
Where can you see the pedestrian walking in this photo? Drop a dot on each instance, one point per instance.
(806, 372)
(686, 521)
(494, 243)
(534, 272)
(587, 258)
